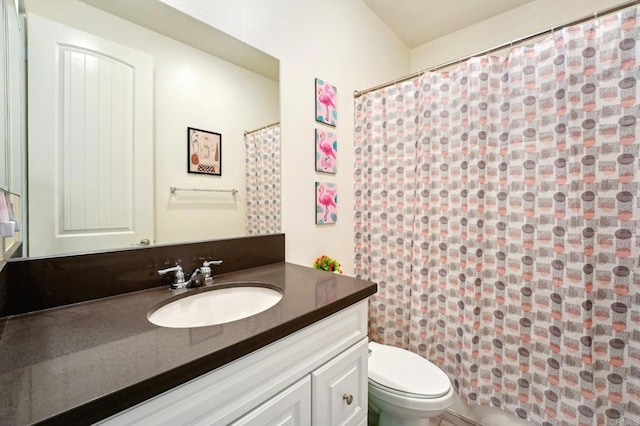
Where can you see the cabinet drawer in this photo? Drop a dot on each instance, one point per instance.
(290, 407)
(340, 388)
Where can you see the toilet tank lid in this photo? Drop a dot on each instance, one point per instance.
(405, 371)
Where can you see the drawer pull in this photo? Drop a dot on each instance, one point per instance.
(348, 398)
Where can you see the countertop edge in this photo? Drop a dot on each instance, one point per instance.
(115, 402)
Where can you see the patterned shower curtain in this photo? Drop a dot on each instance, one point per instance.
(497, 209)
(263, 181)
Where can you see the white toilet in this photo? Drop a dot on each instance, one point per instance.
(404, 388)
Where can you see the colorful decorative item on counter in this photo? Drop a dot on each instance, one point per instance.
(204, 152)
(326, 152)
(327, 263)
(326, 203)
(326, 111)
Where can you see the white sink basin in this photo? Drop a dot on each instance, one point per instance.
(217, 306)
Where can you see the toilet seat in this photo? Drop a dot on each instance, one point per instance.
(406, 404)
(403, 373)
(401, 393)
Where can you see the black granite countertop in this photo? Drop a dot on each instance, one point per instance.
(80, 363)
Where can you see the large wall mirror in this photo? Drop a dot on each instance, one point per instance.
(104, 73)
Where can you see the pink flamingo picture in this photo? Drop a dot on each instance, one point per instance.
(325, 96)
(326, 207)
(326, 146)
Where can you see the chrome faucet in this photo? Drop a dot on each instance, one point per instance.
(199, 277)
(179, 281)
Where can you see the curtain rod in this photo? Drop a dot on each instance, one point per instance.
(595, 15)
(267, 126)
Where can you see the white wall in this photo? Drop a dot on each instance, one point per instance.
(339, 41)
(191, 89)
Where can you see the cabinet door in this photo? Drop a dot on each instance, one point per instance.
(291, 407)
(340, 388)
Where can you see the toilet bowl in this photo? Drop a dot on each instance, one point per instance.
(404, 388)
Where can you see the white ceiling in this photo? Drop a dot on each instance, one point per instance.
(417, 22)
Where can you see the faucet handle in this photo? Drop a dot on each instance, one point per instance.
(179, 277)
(206, 269)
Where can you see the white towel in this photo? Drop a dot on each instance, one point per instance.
(10, 209)
(7, 226)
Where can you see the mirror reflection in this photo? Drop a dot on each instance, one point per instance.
(113, 88)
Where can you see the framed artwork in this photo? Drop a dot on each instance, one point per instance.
(326, 111)
(326, 203)
(204, 154)
(326, 152)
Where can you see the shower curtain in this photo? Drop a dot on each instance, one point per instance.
(497, 209)
(263, 181)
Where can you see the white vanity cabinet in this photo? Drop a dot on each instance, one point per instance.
(340, 388)
(315, 376)
(292, 406)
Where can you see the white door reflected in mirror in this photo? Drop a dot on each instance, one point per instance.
(91, 135)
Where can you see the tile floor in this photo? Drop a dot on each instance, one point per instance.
(449, 419)
(446, 419)
(438, 421)
(442, 423)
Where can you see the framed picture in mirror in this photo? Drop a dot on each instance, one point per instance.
(204, 152)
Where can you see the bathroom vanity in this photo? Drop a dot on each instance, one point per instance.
(101, 360)
(316, 376)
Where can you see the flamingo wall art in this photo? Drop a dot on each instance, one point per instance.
(326, 111)
(326, 152)
(326, 203)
